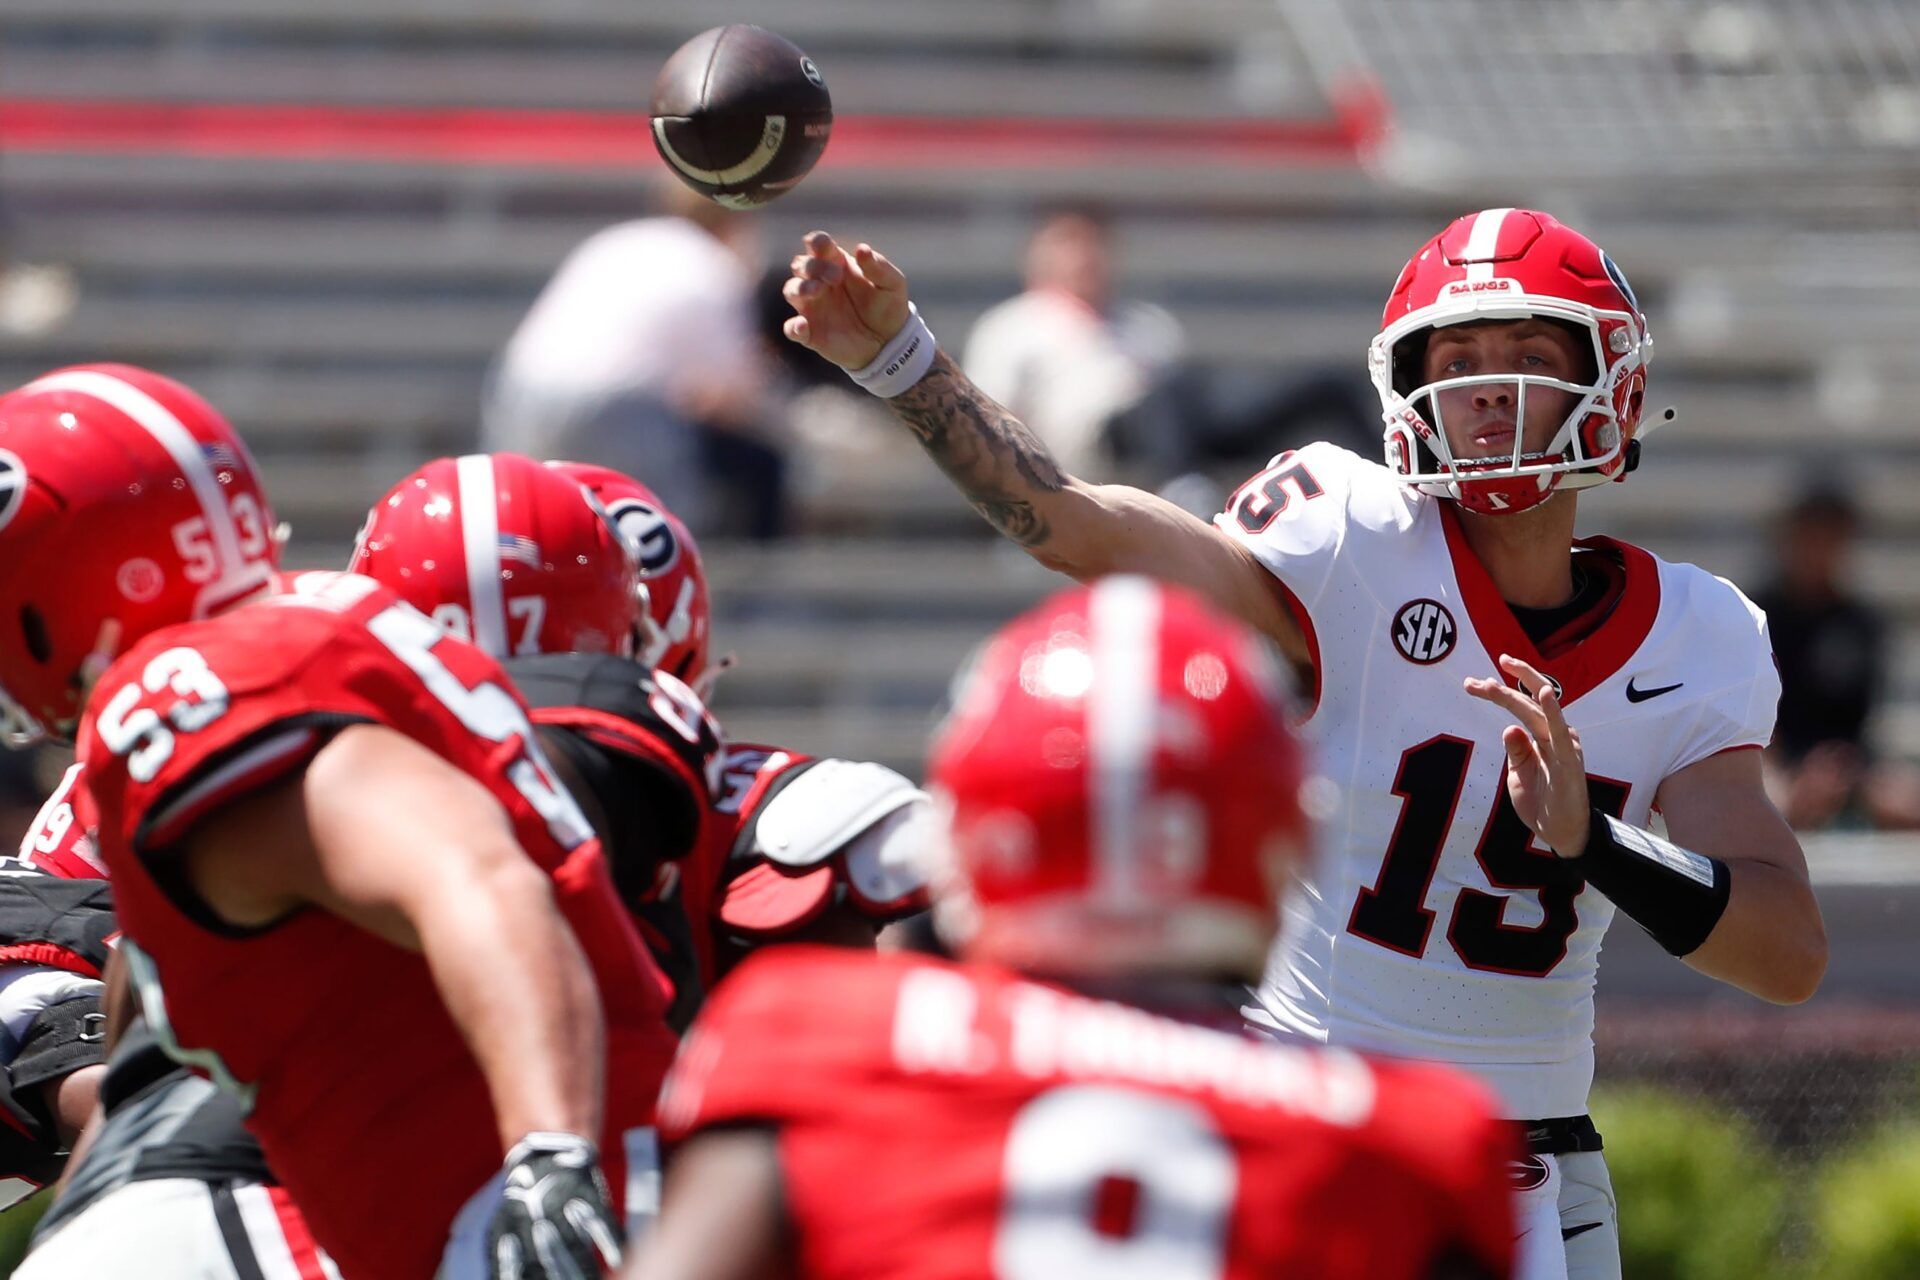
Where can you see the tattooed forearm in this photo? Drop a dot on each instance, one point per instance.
(997, 463)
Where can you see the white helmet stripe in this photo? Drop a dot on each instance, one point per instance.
(1483, 242)
(159, 422)
(480, 537)
(1122, 705)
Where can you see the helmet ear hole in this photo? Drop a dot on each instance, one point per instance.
(34, 628)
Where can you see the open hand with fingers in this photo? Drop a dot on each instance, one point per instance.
(1546, 770)
(847, 305)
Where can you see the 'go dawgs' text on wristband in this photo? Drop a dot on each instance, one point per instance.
(902, 362)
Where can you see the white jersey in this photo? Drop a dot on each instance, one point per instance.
(1432, 926)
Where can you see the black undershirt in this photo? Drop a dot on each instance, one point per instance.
(1589, 589)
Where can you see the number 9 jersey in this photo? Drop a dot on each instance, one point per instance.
(1432, 926)
(357, 1081)
(949, 1122)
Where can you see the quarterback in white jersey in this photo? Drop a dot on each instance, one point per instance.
(1434, 926)
(1502, 707)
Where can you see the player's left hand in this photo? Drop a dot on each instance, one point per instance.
(1546, 770)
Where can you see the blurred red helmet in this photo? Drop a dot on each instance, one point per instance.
(127, 504)
(1123, 790)
(506, 552)
(1512, 264)
(675, 630)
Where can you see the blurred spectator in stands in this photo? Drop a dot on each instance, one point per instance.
(24, 783)
(35, 298)
(643, 353)
(1066, 356)
(1831, 648)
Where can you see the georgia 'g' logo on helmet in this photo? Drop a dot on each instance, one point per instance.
(13, 485)
(648, 533)
(677, 622)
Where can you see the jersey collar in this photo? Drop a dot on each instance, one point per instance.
(1579, 668)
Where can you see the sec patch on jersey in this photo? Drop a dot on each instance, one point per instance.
(741, 115)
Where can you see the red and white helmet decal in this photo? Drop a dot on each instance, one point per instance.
(236, 552)
(127, 503)
(1122, 723)
(480, 539)
(1121, 788)
(507, 552)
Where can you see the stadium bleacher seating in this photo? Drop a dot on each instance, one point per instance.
(342, 302)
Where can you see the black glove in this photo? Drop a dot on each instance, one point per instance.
(555, 1220)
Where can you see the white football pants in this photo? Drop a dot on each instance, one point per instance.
(1569, 1225)
(179, 1229)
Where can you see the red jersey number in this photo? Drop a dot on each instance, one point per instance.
(1108, 1183)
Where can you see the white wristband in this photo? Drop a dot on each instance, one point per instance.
(902, 362)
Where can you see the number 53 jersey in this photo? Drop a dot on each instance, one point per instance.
(945, 1122)
(1432, 925)
(363, 1094)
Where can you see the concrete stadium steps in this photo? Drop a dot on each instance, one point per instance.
(897, 739)
(939, 84)
(849, 646)
(1007, 57)
(452, 321)
(129, 178)
(1195, 25)
(1297, 250)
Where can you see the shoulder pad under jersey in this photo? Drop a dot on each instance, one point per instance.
(53, 921)
(871, 822)
(819, 809)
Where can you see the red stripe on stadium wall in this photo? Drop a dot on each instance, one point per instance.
(454, 135)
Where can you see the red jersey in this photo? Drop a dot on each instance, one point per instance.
(360, 1088)
(938, 1121)
(61, 842)
(768, 903)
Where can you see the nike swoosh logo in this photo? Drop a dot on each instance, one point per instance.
(1641, 695)
(1568, 1233)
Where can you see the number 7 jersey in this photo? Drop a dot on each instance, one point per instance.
(1432, 926)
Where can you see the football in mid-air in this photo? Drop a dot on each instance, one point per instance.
(740, 114)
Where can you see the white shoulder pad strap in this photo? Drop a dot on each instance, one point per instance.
(820, 811)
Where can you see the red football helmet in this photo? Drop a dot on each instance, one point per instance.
(127, 504)
(506, 552)
(1123, 790)
(675, 629)
(1511, 264)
